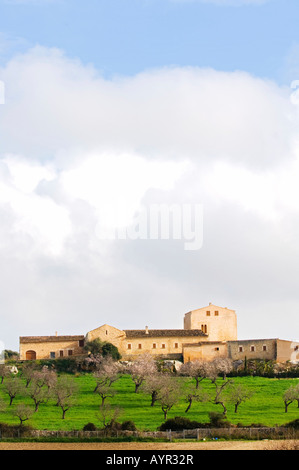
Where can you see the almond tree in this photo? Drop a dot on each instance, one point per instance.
(222, 366)
(296, 394)
(169, 395)
(191, 396)
(38, 394)
(220, 398)
(50, 379)
(217, 367)
(289, 396)
(153, 385)
(109, 415)
(28, 371)
(44, 377)
(198, 370)
(105, 391)
(64, 391)
(4, 372)
(107, 371)
(142, 367)
(23, 412)
(12, 387)
(239, 394)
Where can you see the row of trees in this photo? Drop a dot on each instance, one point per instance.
(164, 387)
(39, 385)
(168, 389)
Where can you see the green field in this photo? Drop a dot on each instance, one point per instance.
(265, 407)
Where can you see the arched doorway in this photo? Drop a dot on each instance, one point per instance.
(30, 355)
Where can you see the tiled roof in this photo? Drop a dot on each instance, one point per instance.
(49, 339)
(162, 333)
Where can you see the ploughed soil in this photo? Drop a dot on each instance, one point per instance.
(140, 446)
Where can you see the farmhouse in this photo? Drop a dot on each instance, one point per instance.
(209, 332)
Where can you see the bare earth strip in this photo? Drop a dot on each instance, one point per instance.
(225, 445)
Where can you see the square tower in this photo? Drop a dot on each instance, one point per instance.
(219, 323)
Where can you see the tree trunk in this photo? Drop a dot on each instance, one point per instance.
(223, 406)
(154, 397)
(286, 404)
(64, 410)
(165, 410)
(189, 405)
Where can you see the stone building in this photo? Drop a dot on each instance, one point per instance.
(269, 349)
(50, 347)
(208, 333)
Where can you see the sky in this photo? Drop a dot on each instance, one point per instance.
(112, 109)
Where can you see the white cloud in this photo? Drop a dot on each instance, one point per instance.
(73, 142)
(40, 218)
(169, 113)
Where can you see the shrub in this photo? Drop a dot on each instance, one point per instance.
(90, 427)
(66, 365)
(108, 349)
(97, 347)
(218, 420)
(293, 424)
(179, 424)
(128, 426)
(7, 430)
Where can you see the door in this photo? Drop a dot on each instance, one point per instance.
(30, 355)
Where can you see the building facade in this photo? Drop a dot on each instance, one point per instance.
(209, 332)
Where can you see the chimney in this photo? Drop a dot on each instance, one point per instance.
(146, 330)
(56, 334)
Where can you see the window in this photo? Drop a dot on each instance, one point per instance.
(252, 348)
(208, 313)
(163, 346)
(296, 348)
(264, 347)
(216, 349)
(216, 313)
(154, 345)
(176, 345)
(81, 343)
(52, 355)
(70, 352)
(240, 348)
(139, 346)
(60, 353)
(129, 346)
(204, 328)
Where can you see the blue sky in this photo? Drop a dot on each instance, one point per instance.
(124, 104)
(128, 36)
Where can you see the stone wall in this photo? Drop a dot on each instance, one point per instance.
(253, 349)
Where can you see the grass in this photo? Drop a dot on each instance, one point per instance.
(266, 406)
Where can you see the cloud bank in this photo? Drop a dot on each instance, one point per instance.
(73, 143)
